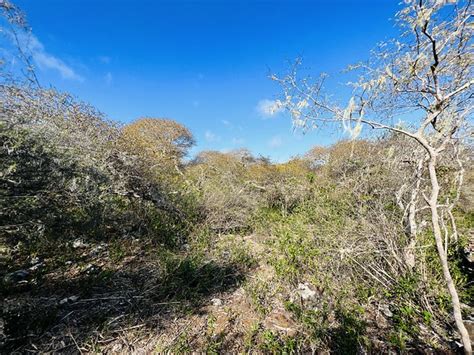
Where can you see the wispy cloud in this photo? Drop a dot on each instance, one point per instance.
(268, 108)
(275, 142)
(211, 137)
(45, 60)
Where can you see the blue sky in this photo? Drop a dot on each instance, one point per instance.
(202, 63)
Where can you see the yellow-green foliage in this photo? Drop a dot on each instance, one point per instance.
(160, 144)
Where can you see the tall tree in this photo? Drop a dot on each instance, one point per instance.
(161, 143)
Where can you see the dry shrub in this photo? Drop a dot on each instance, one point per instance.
(234, 186)
(227, 196)
(64, 173)
(285, 185)
(350, 240)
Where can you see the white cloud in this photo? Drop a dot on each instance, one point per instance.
(226, 123)
(275, 142)
(268, 108)
(45, 60)
(211, 137)
(108, 78)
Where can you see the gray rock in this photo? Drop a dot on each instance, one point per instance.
(78, 243)
(305, 292)
(17, 276)
(216, 302)
(386, 310)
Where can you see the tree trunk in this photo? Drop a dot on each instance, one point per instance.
(409, 250)
(443, 257)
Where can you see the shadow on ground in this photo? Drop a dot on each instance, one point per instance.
(65, 314)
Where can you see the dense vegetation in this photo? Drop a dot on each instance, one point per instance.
(112, 241)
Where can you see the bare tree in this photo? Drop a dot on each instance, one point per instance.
(423, 79)
(16, 29)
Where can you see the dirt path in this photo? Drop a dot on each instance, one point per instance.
(227, 322)
(96, 304)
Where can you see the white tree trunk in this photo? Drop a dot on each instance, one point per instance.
(443, 257)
